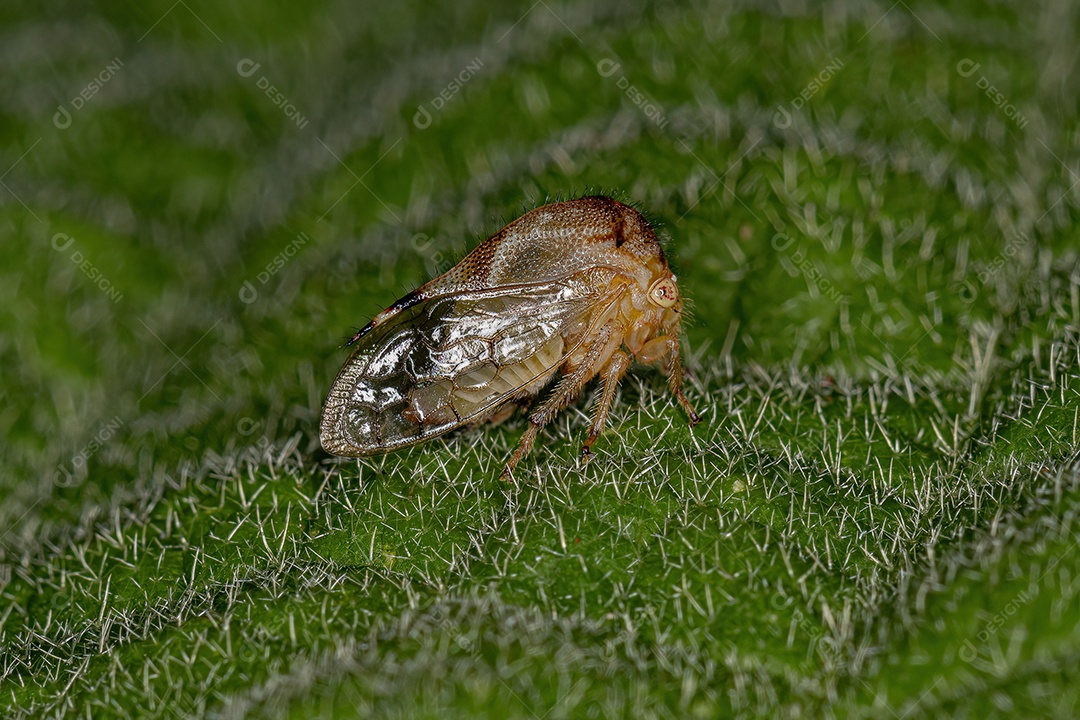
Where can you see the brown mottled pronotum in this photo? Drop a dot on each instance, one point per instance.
(578, 289)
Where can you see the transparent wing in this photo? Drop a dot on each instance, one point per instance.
(444, 361)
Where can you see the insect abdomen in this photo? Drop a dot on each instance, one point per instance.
(476, 387)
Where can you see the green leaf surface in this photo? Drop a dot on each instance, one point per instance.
(872, 208)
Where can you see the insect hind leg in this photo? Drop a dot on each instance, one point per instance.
(568, 388)
(499, 414)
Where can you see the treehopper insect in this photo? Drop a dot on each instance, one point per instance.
(573, 290)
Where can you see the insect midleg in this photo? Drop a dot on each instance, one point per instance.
(567, 389)
(675, 379)
(616, 368)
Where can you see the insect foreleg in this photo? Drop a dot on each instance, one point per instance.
(674, 371)
(616, 368)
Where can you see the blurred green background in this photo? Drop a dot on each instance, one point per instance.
(873, 208)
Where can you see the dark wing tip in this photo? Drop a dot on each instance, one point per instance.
(361, 333)
(406, 302)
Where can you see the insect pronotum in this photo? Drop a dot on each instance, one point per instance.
(577, 289)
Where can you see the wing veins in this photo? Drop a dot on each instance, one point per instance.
(504, 396)
(582, 296)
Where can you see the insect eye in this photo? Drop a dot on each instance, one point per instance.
(664, 293)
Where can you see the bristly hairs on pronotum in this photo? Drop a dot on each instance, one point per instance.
(619, 195)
